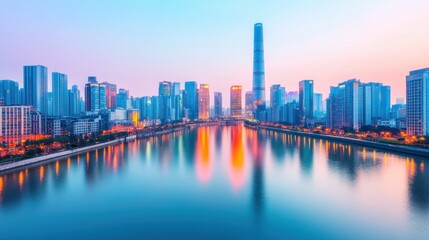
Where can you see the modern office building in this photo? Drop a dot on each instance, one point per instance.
(50, 100)
(36, 87)
(164, 93)
(379, 101)
(345, 105)
(218, 104)
(176, 102)
(74, 101)
(418, 102)
(292, 96)
(60, 97)
(111, 92)
(306, 100)
(204, 101)
(15, 122)
(235, 99)
(9, 92)
(318, 106)
(277, 100)
(191, 100)
(122, 98)
(249, 102)
(258, 67)
(95, 95)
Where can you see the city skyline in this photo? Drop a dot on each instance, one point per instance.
(292, 54)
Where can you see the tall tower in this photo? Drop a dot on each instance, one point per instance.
(258, 67)
(36, 87)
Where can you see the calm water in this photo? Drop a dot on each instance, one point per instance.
(220, 182)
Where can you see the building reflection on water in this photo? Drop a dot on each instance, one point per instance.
(202, 150)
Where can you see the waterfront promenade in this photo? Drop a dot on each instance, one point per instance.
(418, 151)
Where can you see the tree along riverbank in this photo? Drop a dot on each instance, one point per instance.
(417, 151)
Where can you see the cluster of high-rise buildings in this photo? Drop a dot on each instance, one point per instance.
(33, 110)
(352, 104)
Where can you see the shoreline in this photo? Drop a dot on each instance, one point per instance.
(61, 155)
(416, 151)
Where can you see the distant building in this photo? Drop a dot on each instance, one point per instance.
(86, 125)
(318, 106)
(36, 87)
(15, 122)
(164, 93)
(190, 100)
(95, 95)
(418, 102)
(74, 101)
(60, 96)
(218, 104)
(203, 101)
(306, 100)
(236, 108)
(345, 105)
(110, 95)
(277, 100)
(121, 98)
(292, 97)
(9, 92)
(258, 68)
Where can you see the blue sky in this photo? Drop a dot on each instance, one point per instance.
(136, 44)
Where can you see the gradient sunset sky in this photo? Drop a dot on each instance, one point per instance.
(137, 44)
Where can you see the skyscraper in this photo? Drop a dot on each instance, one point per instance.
(218, 104)
(277, 100)
(110, 95)
(191, 100)
(9, 92)
(176, 101)
(121, 98)
(318, 109)
(345, 105)
(203, 101)
(95, 95)
(60, 97)
(258, 67)
(36, 87)
(236, 109)
(306, 100)
(418, 102)
(74, 101)
(164, 93)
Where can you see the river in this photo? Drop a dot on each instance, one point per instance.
(220, 182)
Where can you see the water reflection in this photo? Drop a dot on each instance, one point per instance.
(244, 158)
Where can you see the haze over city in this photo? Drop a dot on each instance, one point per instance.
(138, 44)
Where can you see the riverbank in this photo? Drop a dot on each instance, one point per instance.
(421, 152)
(10, 166)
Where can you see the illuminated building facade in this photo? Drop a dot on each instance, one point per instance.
(203, 101)
(236, 109)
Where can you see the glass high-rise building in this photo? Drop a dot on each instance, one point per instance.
(191, 100)
(164, 93)
(74, 101)
(110, 95)
(418, 102)
(9, 92)
(204, 101)
(121, 98)
(60, 97)
(306, 100)
(277, 100)
(236, 108)
(95, 95)
(36, 87)
(258, 67)
(217, 104)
